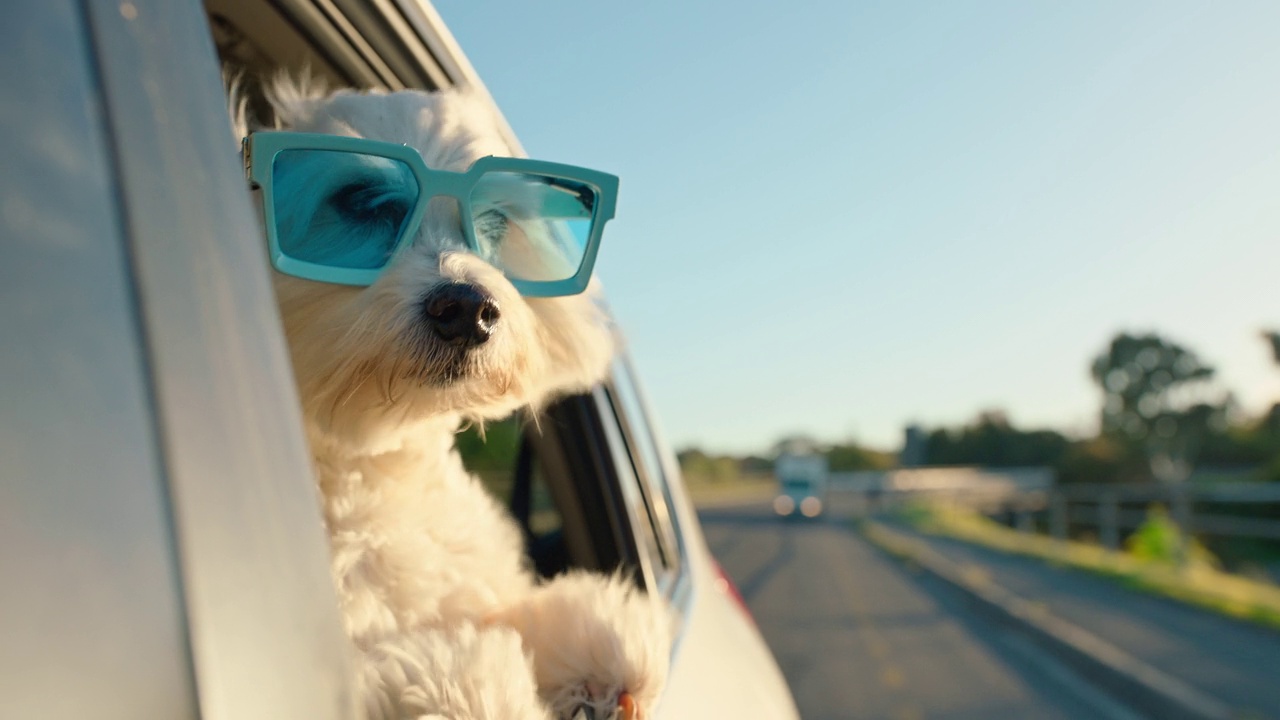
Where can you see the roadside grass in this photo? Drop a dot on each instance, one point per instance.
(1198, 582)
(711, 493)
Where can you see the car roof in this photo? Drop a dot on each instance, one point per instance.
(389, 45)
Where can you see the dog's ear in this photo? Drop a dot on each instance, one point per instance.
(294, 98)
(237, 101)
(277, 103)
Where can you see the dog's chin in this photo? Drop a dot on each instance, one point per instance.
(495, 372)
(375, 412)
(429, 363)
(451, 372)
(461, 384)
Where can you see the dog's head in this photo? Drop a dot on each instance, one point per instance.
(440, 332)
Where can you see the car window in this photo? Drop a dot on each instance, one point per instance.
(490, 452)
(497, 452)
(651, 556)
(653, 497)
(493, 453)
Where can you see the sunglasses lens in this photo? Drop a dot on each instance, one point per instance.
(533, 227)
(340, 209)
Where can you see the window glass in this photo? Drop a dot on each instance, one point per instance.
(493, 456)
(648, 459)
(654, 557)
(544, 516)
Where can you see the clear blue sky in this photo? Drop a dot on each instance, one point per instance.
(839, 217)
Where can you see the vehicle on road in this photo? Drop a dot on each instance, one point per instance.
(172, 559)
(803, 480)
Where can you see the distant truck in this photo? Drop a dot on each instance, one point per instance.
(802, 484)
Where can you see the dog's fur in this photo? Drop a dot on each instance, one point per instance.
(445, 616)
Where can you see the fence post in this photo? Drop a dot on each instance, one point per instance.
(1058, 515)
(1109, 520)
(1180, 501)
(1025, 520)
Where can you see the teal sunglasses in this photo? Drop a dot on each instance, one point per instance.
(338, 209)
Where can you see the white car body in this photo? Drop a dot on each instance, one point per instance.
(721, 666)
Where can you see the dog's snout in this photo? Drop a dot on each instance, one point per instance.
(461, 313)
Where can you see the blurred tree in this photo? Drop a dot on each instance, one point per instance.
(795, 445)
(756, 465)
(991, 441)
(1273, 339)
(1140, 377)
(1267, 433)
(1156, 396)
(1103, 459)
(849, 457)
(1243, 444)
(695, 465)
(699, 467)
(690, 456)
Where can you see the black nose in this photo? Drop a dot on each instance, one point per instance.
(461, 314)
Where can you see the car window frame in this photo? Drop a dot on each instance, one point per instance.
(642, 452)
(607, 491)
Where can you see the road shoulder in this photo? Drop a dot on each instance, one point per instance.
(1133, 682)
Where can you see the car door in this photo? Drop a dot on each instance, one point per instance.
(163, 553)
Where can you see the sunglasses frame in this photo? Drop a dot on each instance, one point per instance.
(261, 148)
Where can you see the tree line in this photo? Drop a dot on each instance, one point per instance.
(1162, 415)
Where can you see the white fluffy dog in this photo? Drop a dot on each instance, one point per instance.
(446, 618)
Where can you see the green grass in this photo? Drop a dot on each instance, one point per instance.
(1199, 582)
(707, 493)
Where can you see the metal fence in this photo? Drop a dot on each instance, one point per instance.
(1200, 509)
(1221, 509)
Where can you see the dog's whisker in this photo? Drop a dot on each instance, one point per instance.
(356, 378)
(388, 387)
(533, 418)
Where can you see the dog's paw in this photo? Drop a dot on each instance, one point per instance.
(601, 648)
(463, 673)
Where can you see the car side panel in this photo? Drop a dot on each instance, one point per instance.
(92, 621)
(722, 667)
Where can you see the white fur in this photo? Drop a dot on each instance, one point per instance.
(446, 618)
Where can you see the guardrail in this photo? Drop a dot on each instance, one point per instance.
(1104, 507)
(1111, 508)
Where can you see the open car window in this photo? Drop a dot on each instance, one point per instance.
(617, 511)
(651, 470)
(507, 462)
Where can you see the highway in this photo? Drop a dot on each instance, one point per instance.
(860, 636)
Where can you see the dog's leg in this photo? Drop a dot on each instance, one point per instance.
(460, 673)
(597, 642)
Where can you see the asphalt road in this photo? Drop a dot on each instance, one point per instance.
(861, 637)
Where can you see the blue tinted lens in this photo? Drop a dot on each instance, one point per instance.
(341, 209)
(532, 227)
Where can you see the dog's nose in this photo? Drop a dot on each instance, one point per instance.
(461, 314)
